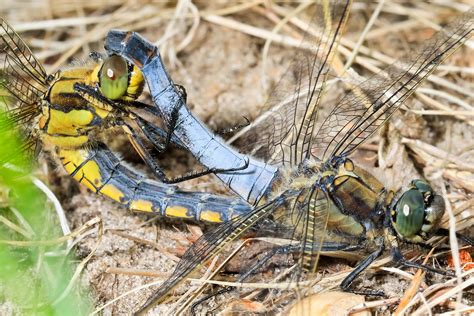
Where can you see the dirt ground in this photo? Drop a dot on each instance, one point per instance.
(226, 82)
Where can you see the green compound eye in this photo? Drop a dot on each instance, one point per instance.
(113, 77)
(418, 212)
(410, 213)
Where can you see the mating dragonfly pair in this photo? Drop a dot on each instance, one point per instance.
(304, 189)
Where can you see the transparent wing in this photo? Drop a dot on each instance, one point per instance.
(208, 246)
(368, 105)
(314, 220)
(21, 75)
(23, 83)
(301, 217)
(282, 135)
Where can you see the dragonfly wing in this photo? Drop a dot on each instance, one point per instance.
(368, 105)
(208, 246)
(302, 222)
(23, 83)
(314, 221)
(21, 74)
(282, 134)
(307, 216)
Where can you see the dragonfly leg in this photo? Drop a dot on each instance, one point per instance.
(149, 160)
(174, 118)
(161, 147)
(398, 258)
(156, 135)
(193, 175)
(261, 262)
(182, 92)
(153, 134)
(464, 238)
(92, 95)
(346, 283)
(144, 153)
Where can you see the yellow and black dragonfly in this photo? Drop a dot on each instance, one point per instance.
(67, 111)
(318, 198)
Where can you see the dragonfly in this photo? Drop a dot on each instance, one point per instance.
(68, 111)
(318, 198)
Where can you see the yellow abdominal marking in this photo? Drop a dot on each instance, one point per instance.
(89, 171)
(211, 216)
(65, 141)
(141, 205)
(177, 211)
(113, 192)
(89, 174)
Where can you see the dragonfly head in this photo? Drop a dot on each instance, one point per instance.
(118, 79)
(417, 212)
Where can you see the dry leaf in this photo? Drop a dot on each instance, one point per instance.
(328, 304)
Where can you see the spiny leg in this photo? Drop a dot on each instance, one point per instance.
(346, 283)
(148, 158)
(161, 147)
(92, 94)
(464, 238)
(398, 258)
(174, 118)
(193, 175)
(153, 133)
(156, 135)
(175, 115)
(172, 125)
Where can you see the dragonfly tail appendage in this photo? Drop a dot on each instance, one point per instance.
(105, 174)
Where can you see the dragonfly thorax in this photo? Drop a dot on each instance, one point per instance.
(350, 200)
(306, 174)
(80, 101)
(360, 200)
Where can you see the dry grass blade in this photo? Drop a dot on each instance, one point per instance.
(146, 273)
(57, 205)
(15, 227)
(145, 242)
(452, 292)
(124, 295)
(36, 243)
(372, 305)
(413, 289)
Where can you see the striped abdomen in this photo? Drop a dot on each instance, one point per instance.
(103, 173)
